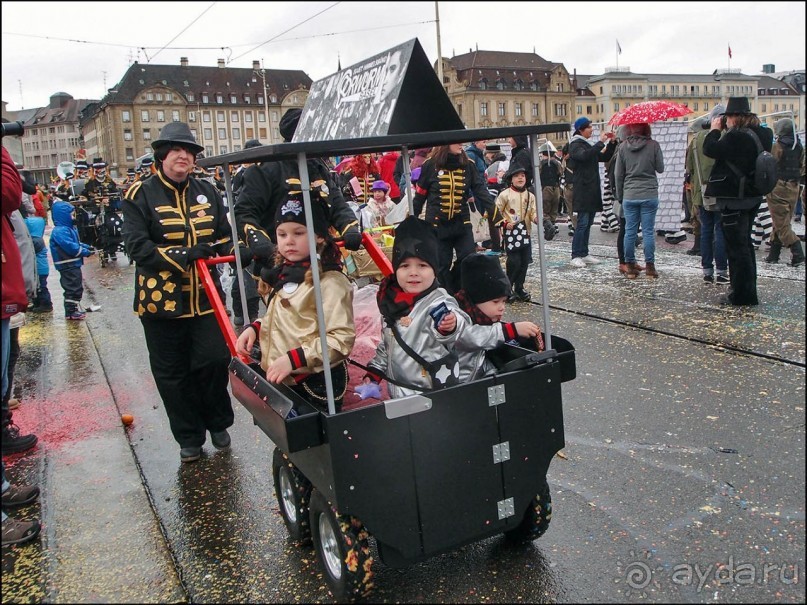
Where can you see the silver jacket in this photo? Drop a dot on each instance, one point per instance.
(471, 346)
(423, 338)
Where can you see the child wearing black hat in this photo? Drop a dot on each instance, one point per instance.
(484, 291)
(291, 352)
(422, 322)
(517, 206)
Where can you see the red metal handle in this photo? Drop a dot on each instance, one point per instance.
(219, 309)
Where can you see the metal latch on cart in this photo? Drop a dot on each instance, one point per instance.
(496, 395)
(501, 452)
(507, 508)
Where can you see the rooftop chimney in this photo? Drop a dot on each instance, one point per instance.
(221, 62)
(256, 65)
(183, 61)
(769, 68)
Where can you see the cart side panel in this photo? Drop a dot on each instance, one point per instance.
(459, 484)
(531, 423)
(374, 478)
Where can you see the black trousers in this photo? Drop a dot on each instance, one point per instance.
(737, 226)
(455, 236)
(251, 289)
(73, 287)
(189, 360)
(516, 266)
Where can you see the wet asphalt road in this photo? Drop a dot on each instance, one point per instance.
(682, 478)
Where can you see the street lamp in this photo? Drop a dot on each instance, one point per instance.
(262, 74)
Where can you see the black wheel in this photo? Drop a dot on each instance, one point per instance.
(343, 550)
(536, 518)
(293, 491)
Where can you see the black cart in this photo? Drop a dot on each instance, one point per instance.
(423, 474)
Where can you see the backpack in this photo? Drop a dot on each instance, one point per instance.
(764, 172)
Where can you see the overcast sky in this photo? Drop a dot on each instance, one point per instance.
(72, 47)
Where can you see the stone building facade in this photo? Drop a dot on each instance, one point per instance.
(224, 106)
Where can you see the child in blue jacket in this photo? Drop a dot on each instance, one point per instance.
(68, 256)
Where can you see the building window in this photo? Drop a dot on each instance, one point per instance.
(518, 85)
(233, 99)
(260, 99)
(205, 98)
(125, 116)
(194, 134)
(175, 115)
(248, 117)
(695, 106)
(219, 98)
(706, 107)
(236, 147)
(169, 96)
(250, 133)
(273, 98)
(459, 109)
(206, 117)
(560, 109)
(222, 133)
(159, 96)
(190, 97)
(233, 116)
(247, 100)
(533, 85)
(129, 154)
(616, 107)
(483, 84)
(127, 135)
(160, 115)
(220, 116)
(500, 85)
(535, 110)
(502, 109)
(149, 96)
(208, 134)
(273, 115)
(483, 109)
(147, 134)
(262, 117)
(236, 133)
(208, 150)
(518, 110)
(262, 133)
(144, 116)
(222, 148)
(588, 110)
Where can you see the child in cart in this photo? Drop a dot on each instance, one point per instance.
(291, 351)
(422, 322)
(485, 288)
(379, 205)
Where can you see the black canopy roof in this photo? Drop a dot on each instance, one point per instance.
(284, 151)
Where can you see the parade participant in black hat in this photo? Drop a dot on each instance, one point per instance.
(291, 350)
(270, 184)
(447, 179)
(517, 207)
(146, 168)
(171, 220)
(485, 289)
(736, 152)
(422, 322)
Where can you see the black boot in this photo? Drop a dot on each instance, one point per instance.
(773, 254)
(695, 250)
(798, 254)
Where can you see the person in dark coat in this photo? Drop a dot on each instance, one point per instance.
(737, 206)
(584, 160)
(170, 221)
(269, 184)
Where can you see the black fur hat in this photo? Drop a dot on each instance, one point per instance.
(483, 278)
(292, 211)
(288, 123)
(414, 237)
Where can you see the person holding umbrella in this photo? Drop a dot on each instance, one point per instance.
(638, 161)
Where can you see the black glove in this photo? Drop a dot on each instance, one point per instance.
(260, 245)
(200, 251)
(246, 255)
(352, 239)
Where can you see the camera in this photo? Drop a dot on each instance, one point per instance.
(13, 129)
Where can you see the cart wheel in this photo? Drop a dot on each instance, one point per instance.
(536, 518)
(293, 491)
(343, 550)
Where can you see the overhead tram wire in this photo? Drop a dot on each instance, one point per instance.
(285, 32)
(212, 4)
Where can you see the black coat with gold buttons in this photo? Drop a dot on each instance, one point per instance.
(162, 220)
